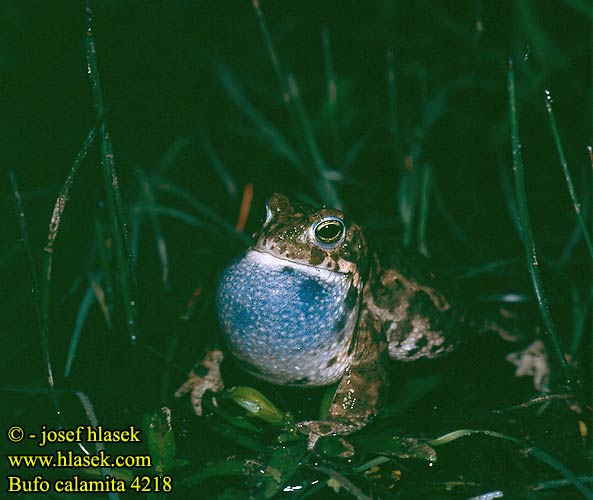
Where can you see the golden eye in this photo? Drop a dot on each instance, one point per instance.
(329, 231)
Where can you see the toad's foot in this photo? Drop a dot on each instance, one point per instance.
(532, 362)
(316, 429)
(205, 376)
(356, 399)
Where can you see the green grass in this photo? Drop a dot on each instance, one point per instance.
(111, 184)
(527, 234)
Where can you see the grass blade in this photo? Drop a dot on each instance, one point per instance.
(407, 197)
(275, 62)
(105, 263)
(393, 125)
(442, 208)
(203, 209)
(510, 199)
(173, 213)
(527, 234)
(87, 406)
(81, 316)
(99, 446)
(324, 186)
(575, 235)
(423, 209)
(41, 319)
(215, 161)
(536, 453)
(291, 95)
(159, 237)
(172, 154)
(267, 133)
(54, 224)
(590, 150)
(567, 176)
(332, 93)
(111, 184)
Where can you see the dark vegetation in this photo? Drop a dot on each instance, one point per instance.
(399, 112)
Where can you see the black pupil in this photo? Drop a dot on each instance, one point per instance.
(329, 232)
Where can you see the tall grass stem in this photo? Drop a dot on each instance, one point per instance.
(567, 176)
(54, 225)
(296, 110)
(41, 322)
(527, 234)
(111, 183)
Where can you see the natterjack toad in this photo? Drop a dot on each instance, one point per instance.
(309, 305)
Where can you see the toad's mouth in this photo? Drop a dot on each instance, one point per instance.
(267, 257)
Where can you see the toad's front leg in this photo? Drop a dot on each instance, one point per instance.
(205, 376)
(356, 399)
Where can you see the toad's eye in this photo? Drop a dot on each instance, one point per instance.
(330, 231)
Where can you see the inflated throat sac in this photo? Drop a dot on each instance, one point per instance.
(287, 323)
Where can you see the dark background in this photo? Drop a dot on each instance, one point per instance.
(160, 66)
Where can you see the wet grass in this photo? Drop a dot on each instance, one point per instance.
(117, 230)
(363, 110)
(527, 234)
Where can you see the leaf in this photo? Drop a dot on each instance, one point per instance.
(256, 404)
(161, 440)
(283, 464)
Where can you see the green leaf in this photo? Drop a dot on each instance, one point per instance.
(283, 464)
(235, 434)
(256, 404)
(161, 440)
